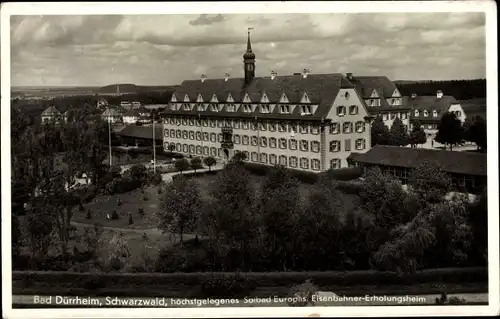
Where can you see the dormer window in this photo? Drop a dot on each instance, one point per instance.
(247, 108)
(346, 95)
(230, 108)
(264, 108)
(426, 113)
(213, 107)
(200, 108)
(353, 110)
(285, 109)
(186, 107)
(305, 110)
(417, 113)
(341, 110)
(434, 113)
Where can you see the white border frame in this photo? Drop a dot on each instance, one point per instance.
(489, 7)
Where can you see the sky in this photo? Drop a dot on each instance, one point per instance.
(93, 50)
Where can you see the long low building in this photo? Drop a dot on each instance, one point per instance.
(133, 135)
(467, 170)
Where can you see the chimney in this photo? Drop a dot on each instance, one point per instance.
(305, 73)
(203, 78)
(439, 94)
(413, 96)
(348, 76)
(226, 77)
(273, 75)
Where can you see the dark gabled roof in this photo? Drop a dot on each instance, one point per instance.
(366, 84)
(144, 132)
(451, 162)
(353, 156)
(51, 111)
(429, 103)
(320, 88)
(474, 107)
(378, 109)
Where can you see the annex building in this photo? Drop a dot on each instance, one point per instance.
(303, 121)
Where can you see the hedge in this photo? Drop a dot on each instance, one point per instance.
(262, 170)
(271, 279)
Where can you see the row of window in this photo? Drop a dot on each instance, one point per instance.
(272, 142)
(393, 102)
(425, 113)
(273, 159)
(392, 116)
(335, 128)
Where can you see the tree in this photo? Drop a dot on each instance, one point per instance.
(209, 161)
(398, 133)
(429, 183)
(16, 236)
(181, 207)
(450, 130)
(119, 252)
(478, 220)
(466, 127)
(181, 165)
(38, 229)
(171, 147)
(238, 157)
(478, 133)
(130, 220)
(196, 163)
(417, 135)
(379, 132)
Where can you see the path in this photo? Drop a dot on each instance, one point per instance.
(149, 231)
(167, 177)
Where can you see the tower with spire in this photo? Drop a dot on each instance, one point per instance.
(249, 61)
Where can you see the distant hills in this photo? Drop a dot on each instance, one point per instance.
(132, 88)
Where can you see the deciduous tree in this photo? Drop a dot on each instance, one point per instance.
(380, 134)
(196, 163)
(417, 135)
(181, 165)
(429, 183)
(450, 130)
(209, 161)
(478, 133)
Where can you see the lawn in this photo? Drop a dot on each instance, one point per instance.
(131, 202)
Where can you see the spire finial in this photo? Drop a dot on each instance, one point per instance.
(249, 44)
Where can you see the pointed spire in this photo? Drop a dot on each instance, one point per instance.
(249, 44)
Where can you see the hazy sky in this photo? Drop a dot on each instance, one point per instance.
(167, 49)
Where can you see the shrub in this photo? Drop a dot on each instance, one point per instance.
(196, 163)
(156, 178)
(115, 171)
(115, 215)
(302, 294)
(344, 174)
(351, 187)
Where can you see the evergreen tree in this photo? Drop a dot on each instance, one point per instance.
(478, 133)
(450, 130)
(398, 133)
(417, 135)
(380, 133)
(467, 129)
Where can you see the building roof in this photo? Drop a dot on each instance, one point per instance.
(143, 132)
(429, 103)
(366, 84)
(51, 111)
(457, 162)
(321, 89)
(111, 112)
(131, 113)
(474, 107)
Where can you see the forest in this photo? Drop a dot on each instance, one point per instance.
(460, 89)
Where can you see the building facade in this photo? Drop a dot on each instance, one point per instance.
(303, 121)
(112, 116)
(51, 115)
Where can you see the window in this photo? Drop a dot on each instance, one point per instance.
(236, 124)
(385, 116)
(334, 128)
(360, 144)
(285, 109)
(178, 134)
(245, 140)
(283, 160)
(213, 151)
(403, 116)
(191, 135)
(353, 110)
(197, 122)
(426, 113)
(191, 122)
(191, 149)
(347, 127)
(293, 161)
(247, 108)
(360, 126)
(263, 126)
(247, 155)
(219, 123)
(264, 108)
(172, 133)
(237, 139)
(205, 150)
(211, 123)
(347, 145)
(340, 110)
(393, 116)
(304, 145)
(346, 95)
(263, 141)
(213, 137)
(272, 127)
(219, 137)
(184, 120)
(244, 124)
(283, 143)
(198, 136)
(166, 133)
(220, 152)
(263, 158)
(254, 157)
(200, 108)
(272, 159)
(230, 108)
(213, 107)
(204, 123)
(282, 127)
(334, 146)
(335, 163)
(172, 121)
(416, 113)
(305, 110)
(434, 113)
(304, 128)
(314, 129)
(315, 146)
(315, 164)
(178, 122)
(293, 144)
(272, 142)
(304, 163)
(458, 113)
(254, 126)
(185, 134)
(205, 136)
(254, 141)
